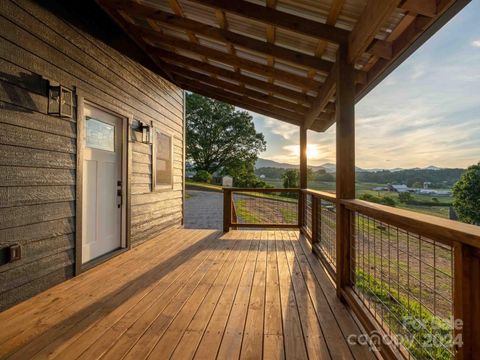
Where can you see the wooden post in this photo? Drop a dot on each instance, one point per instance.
(466, 301)
(227, 209)
(345, 175)
(303, 174)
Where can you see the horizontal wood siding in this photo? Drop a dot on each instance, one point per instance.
(38, 151)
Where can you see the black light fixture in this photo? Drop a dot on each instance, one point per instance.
(60, 101)
(146, 133)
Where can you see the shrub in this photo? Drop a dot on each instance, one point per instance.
(386, 200)
(203, 176)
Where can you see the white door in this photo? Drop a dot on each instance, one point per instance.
(102, 184)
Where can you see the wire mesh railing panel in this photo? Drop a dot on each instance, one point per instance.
(307, 212)
(326, 227)
(406, 282)
(266, 208)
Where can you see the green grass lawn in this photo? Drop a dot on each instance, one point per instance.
(202, 186)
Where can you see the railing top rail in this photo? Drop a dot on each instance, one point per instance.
(321, 194)
(435, 228)
(261, 190)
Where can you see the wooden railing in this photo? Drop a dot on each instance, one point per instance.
(319, 225)
(260, 208)
(415, 277)
(413, 280)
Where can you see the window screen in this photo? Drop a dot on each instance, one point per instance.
(162, 160)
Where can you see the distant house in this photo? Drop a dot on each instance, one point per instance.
(398, 188)
(380, 188)
(262, 176)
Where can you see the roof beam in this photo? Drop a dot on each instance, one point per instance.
(323, 122)
(246, 42)
(323, 98)
(382, 49)
(373, 17)
(242, 102)
(421, 7)
(229, 59)
(195, 76)
(247, 80)
(281, 19)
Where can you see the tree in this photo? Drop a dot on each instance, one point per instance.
(466, 195)
(405, 197)
(291, 178)
(243, 174)
(219, 136)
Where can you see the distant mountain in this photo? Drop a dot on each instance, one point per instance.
(273, 164)
(330, 167)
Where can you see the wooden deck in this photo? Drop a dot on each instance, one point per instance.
(190, 294)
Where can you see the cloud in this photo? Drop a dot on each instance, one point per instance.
(317, 153)
(476, 43)
(286, 131)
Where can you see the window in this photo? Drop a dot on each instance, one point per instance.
(100, 135)
(162, 161)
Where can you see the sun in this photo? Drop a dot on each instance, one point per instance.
(312, 151)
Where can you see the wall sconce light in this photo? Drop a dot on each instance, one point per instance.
(146, 133)
(60, 101)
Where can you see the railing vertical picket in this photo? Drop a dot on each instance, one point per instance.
(315, 234)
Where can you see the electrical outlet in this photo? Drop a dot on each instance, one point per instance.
(15, 252)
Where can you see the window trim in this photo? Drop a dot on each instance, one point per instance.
(155, 187)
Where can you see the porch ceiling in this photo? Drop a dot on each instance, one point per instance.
(276, 57)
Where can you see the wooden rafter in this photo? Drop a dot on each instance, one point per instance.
(250, 81)
(406, 37)
(373, 17)
(323, 98)
(240, 101)
(255, 94)
(209, 57)
(222, 22)
(421, 7)
(161, 40)
(335, 9)
(280, 19)
(220, 34)
(271, 33)
(175, 6)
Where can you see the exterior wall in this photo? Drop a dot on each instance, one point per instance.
(38, 151)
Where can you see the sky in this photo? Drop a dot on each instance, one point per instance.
(426, 112)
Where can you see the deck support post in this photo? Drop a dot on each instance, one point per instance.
(466, 301)
(303, 175)
(345, 163)
(227, 209)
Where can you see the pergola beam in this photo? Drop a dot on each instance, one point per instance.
(247, 80)
(226, 58)
(215, 33)
(281, 19)
(373, 17)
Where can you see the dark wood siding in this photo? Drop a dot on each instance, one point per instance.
(38, 151)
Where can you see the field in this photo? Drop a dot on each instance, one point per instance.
(366, 188)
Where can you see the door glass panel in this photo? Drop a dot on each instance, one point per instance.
(100, 135)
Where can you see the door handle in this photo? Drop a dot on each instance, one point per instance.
(119, 197)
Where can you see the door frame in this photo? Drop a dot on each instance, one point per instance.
(82, 100)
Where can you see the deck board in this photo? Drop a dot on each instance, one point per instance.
(190, 294)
